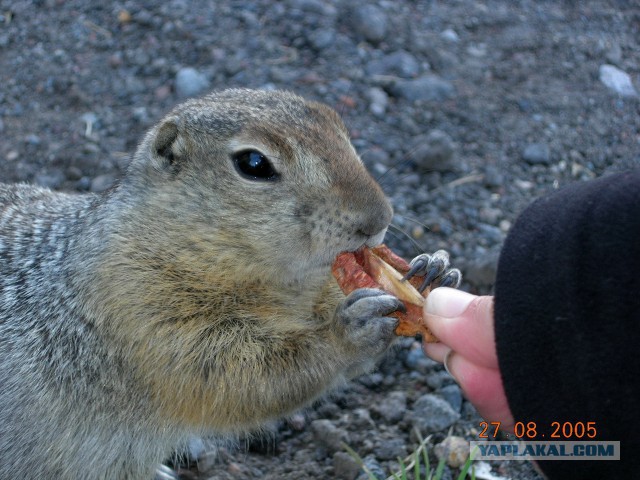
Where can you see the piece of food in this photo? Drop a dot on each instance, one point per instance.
(379, 267)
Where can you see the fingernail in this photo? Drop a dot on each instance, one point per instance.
(447, 302)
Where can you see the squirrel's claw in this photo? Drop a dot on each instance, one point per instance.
(435, 269)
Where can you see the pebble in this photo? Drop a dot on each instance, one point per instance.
(432, 414)
(455, 451)
(369, 22)
(493, 177)
(428, 87)
(190, 82)
(345, 467)
(481, 271)
(376, 156)
(399, 63)
(378, 101)
(450, 35)
(328, 435)
(617, 80)
(33, 139)
(297, 422)
(490, 215)
(453, 395)
(73, 173)
(196, 447)
(537, 154)
(433, 152)
(489, 232)
(51, 180)
(374, 467)
(417, 360)
(436, 380)
(83, 184)
(321, 38)
(102, 182)
(360, 418)
(372, 380)
(392, 407)
(390, 449)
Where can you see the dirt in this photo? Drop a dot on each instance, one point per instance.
(465, 110)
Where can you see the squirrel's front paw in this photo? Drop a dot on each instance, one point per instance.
(364, 317)
(435, 270)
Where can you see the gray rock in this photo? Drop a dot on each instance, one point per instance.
(345, 466)
(374, 467)
(617, 80)
(400, 63)
(390, 449)
(392, 407)
(369, 22)
(426, 88)
(83, 185)
(450, 35)
(321, 38)
(480, 271)
(438, 379)
(51, 180)
(196, 447)
(317, 7)
(190, 82)
(433, 152)
(455, 451)
(417, 360)
(102, 182)
(537, 154)
(432, 414)
(328, 435)
(378, 101)
(375, 156)
(361, 419)
(493, 177)
(372, 380)
(33, 139)
(453, 395)
(492, 234)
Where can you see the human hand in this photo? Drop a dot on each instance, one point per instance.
(464, 325)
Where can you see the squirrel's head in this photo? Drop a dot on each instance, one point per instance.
(263, 177)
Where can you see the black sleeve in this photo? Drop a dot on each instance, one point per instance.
(567, 318)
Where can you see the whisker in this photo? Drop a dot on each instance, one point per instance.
(411, 219)
(419, 248)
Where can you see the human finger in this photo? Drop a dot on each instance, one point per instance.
(463, 322)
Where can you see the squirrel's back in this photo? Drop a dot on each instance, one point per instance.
(50, 359)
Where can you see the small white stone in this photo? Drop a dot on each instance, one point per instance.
(450, 35)
(617, 80)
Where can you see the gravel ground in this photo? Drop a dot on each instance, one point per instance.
(465, 110)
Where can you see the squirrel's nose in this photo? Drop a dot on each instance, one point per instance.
(374, 224)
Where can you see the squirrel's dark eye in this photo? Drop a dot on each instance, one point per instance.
(254, 165)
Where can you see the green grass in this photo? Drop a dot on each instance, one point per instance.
(410, 466)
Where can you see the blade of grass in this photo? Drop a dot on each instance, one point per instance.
(465, 470)
(403, 469)
(360, 461)
(439, 470)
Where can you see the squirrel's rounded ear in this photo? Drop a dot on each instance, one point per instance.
(164, 143)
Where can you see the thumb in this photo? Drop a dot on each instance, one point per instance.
(464, 323)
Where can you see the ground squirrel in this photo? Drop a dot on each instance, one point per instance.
(193, 297)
